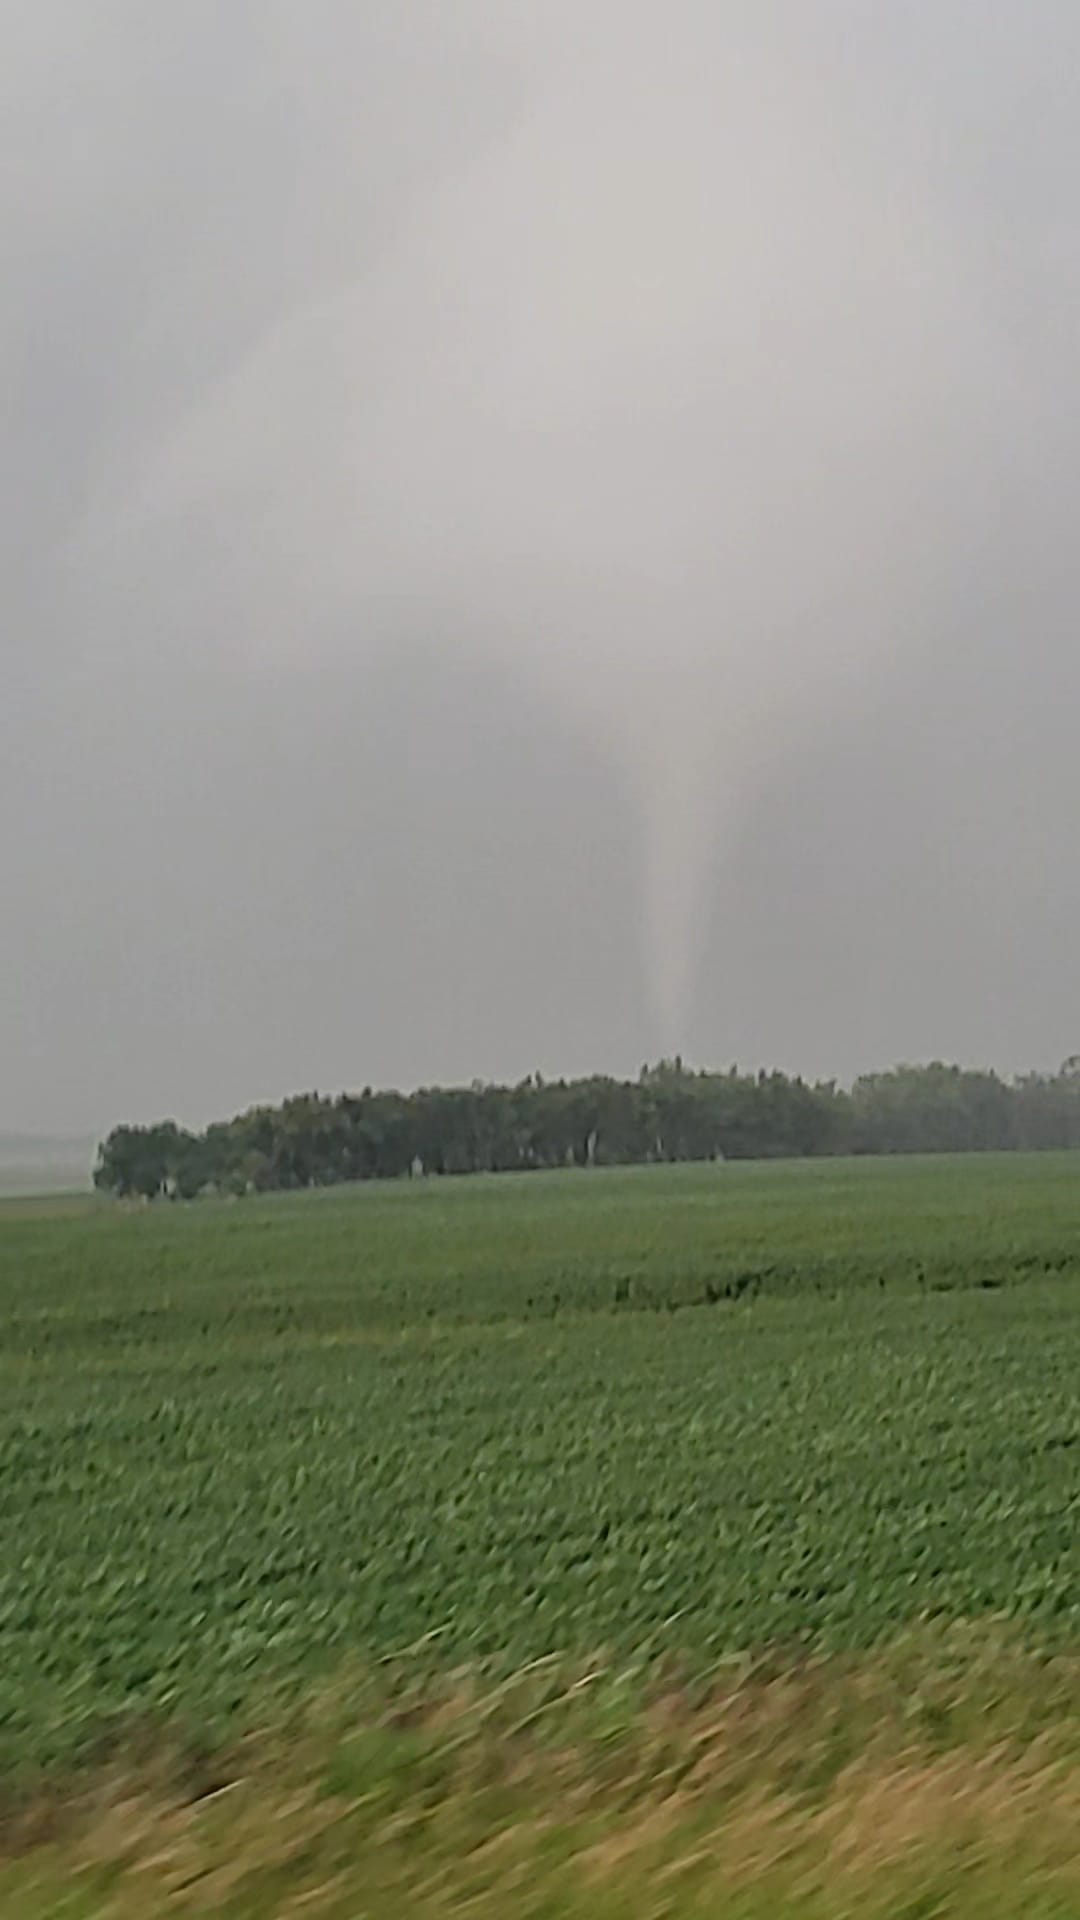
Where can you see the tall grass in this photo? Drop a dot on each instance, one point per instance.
(939, 1776)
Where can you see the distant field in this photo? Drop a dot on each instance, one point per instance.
(686, 1409)
(33, 1165)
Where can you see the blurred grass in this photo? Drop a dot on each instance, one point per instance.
(938, 1777)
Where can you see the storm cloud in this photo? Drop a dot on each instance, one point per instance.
(534, 535)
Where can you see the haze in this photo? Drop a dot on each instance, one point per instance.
(535, 535)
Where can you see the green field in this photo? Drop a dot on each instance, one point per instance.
(689, 1409)
(426, 1522)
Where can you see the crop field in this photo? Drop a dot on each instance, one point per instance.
(686, 1541)
(685, 1411)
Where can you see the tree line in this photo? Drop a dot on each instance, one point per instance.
(669, 1113)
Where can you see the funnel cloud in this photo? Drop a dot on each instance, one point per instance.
(535, 536)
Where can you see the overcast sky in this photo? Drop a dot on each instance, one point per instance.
(535, 533)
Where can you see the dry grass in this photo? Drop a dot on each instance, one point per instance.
(940, 1778)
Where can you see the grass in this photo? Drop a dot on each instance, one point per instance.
(941, 1777)
(673, 1483)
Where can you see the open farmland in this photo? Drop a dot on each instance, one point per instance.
(687, 1409)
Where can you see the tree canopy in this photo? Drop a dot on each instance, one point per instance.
(670, 1112)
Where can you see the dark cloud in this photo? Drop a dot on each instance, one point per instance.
(533, 534)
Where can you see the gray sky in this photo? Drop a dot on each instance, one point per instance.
(535, 533)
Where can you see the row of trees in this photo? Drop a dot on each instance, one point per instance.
(669, 1113)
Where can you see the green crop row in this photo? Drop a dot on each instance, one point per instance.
(239, 1443)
